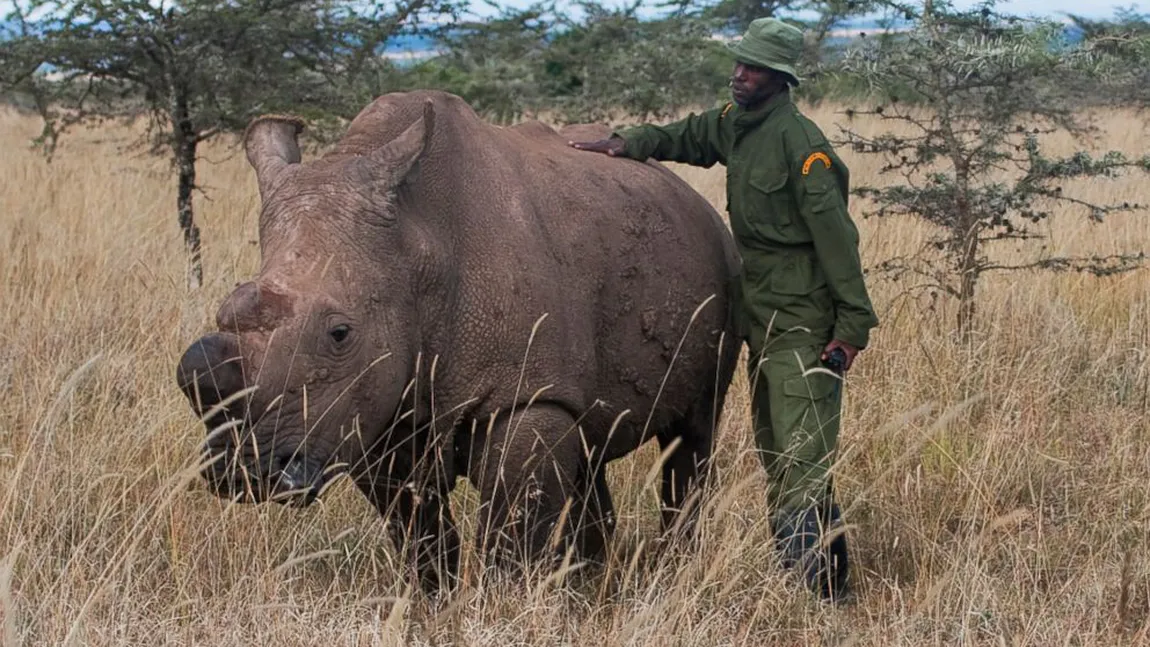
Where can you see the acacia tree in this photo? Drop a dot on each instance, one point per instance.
(969, 95)
(198, 68)
(583, 61)
(494, 63)
(590, 61)
(610, 62)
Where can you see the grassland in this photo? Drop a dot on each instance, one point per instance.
(998, 493)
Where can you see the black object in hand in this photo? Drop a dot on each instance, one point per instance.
(837, 360)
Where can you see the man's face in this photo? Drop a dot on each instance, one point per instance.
(752, 85)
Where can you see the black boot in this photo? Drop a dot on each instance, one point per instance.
(798, 538)
(836, 584)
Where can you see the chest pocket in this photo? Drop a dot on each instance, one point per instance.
(770, 210)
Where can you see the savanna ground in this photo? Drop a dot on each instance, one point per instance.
(997, 493)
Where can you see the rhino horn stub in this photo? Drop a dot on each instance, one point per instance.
(271, 145)
(400, 155)
(253, 307)
(209, 371)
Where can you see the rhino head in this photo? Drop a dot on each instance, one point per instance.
(310, 360)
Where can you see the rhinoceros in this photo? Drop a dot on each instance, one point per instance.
(440, 298)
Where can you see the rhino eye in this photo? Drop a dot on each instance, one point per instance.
(339, 333)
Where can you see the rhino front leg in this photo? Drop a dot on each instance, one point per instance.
(421, 526)
(424, 526)
(527, 474)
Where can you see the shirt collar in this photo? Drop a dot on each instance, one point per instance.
(749, 118)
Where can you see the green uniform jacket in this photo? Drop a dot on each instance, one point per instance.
(787, 195)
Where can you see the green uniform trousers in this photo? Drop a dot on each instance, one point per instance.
(796, 403)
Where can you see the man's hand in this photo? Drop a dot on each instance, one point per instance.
(613, 146)
(849, 351)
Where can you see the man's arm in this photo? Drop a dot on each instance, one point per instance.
(693, 140)
(824, 208)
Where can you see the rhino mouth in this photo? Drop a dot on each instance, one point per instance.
(290, 480)
(238, 465)
(244, 462)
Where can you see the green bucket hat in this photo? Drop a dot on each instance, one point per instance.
(771, 43)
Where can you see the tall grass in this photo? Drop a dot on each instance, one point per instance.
(997, 494)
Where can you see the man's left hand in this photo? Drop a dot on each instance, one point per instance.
(848, 350)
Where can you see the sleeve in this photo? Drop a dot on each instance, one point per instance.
(693, 140)
(823, 205)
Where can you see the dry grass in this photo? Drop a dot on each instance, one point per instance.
(998, 495)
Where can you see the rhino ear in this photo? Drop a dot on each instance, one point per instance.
(400, 156)
(271, 147)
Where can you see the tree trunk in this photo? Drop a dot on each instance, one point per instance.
(968, 273)
(184, 144)
(965, 228)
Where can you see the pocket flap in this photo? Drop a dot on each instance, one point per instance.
(815, 385)
(768, 180)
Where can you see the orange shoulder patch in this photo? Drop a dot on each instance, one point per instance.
(815, 157)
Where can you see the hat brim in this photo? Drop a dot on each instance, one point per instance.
(742, 55)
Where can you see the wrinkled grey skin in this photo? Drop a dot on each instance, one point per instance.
(440, 298)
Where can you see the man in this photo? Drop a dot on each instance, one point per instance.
(803, 302)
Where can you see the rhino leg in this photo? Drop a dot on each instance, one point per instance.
(526, 475)
(427, 530)
(421, 526)
(596, 520)
(684, 472)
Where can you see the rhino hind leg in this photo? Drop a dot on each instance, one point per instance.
(686, 467)
(529, 482)
(685, 470)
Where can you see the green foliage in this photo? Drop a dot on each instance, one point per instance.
(589, 62)
(594, 65)
(613, 64)
(494, 64)
(970, 93)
